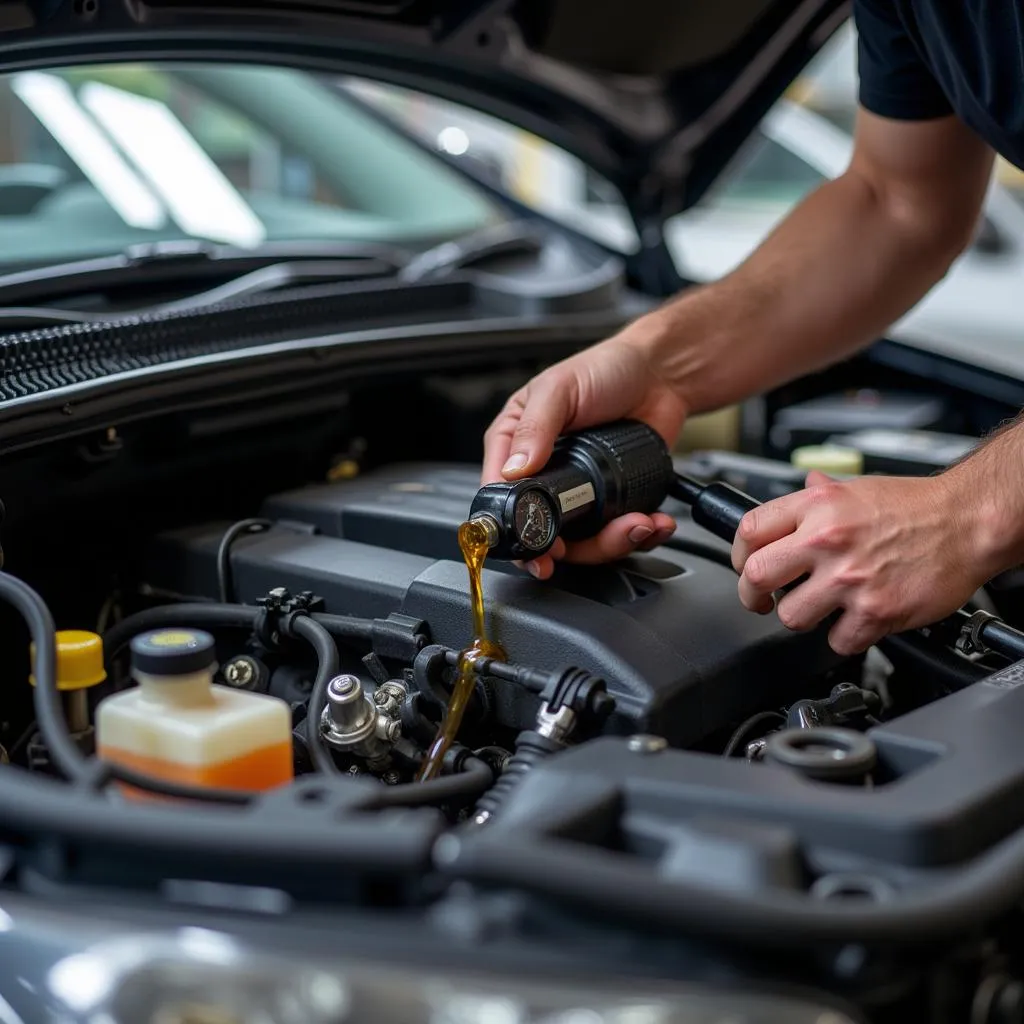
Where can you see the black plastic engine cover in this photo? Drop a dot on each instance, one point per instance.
(665, 630)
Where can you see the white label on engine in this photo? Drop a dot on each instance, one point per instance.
(1008, 678)
(582, 495)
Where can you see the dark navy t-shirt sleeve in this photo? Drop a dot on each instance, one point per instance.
(895, 81)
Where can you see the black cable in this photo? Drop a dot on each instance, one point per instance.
(346, 627)
(913, 651)
(599, 882)
(474, 778)
(225, 584)
(107, 772)
(319, 751)
(1003, 639)
(213, 616)
(685, 489)
(53, 726)
(745, 727)
(695, 547)
(237, 616)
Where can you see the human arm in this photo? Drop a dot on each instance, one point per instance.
(849, 260)
(889, 553)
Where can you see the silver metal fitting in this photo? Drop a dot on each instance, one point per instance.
(353, 723)
(491, 527)
(240, 672)
(555, 725)
(754, 751)
(389, 696)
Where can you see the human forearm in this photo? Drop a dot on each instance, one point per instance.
(989, 489)
(842, 267)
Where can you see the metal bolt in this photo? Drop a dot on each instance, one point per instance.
(645, 744)
(240, 672)
(391, 778)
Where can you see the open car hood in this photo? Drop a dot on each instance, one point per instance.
(655, 95)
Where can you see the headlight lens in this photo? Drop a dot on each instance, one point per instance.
(200, 977)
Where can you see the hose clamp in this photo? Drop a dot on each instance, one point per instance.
(969, 641)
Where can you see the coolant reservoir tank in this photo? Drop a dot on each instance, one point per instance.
(177, 725)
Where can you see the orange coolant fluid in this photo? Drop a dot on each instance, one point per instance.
(177, 725)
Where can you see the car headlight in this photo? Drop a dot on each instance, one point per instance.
(194, 976)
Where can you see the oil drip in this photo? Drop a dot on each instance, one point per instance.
(474, 543)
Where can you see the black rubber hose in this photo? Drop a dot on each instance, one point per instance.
(53, 726)
(744, 729)
(912, 651)
(694, 547)
(214, 616)
(107, 772)
(1003, 639)
(232, 616)
(601, 883)
(531, 749)
(317, 635)
(474, 778)
(346, 627)
(225, 582)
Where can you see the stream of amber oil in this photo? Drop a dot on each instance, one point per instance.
(474, 546)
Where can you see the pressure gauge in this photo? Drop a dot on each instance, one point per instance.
(534, 520)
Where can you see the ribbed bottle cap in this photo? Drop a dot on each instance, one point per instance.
(173, 652)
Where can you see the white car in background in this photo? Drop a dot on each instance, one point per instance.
(975, 310)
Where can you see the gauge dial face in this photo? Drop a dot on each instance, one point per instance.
(534, 520)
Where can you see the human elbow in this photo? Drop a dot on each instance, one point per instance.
(928, 225)
(931, 229)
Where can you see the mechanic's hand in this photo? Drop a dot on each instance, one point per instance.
(613, 380)
(893, 553)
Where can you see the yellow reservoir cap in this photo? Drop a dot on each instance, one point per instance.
(79, 660)
(828, 458)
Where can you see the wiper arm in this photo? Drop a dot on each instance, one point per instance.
(508, 238)
(165, 263)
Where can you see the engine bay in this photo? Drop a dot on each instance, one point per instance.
(646, 754)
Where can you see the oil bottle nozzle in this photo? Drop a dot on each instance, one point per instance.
(489, 525)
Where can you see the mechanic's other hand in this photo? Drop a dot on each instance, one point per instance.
(613, 380)
(892, 553)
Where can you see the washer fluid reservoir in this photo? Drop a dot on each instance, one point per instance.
(177, 725)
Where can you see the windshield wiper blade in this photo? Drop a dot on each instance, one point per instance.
(165, 263)
(275, 277)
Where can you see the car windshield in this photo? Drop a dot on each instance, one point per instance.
(96, 159)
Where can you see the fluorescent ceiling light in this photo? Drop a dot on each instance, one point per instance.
(201, 199)
(51, 100)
